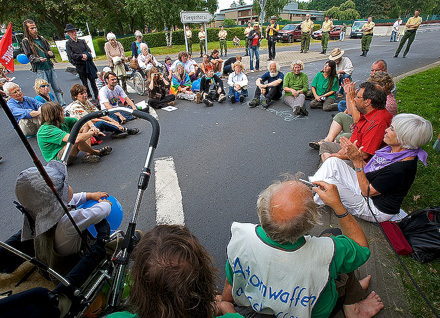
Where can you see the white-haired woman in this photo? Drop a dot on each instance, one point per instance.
(136, 44)
(116, 58)
(146, 60)
(383, 182)
(295, 86)
(42, 89)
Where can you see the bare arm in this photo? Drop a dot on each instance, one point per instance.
(227, 292)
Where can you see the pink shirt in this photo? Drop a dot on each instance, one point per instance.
(391, 105)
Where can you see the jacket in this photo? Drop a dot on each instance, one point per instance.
(35, 59)
(250, 37)
(75, 50)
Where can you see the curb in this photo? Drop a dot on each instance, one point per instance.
(417, 70)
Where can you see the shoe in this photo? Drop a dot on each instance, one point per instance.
(301, 51)
(304, 111)
(232, 98)
(325, 51)
(297, 110)
(363, 53)
(120, 135)
(322, 52)
(252, 71)
(395, 55)
(366, 53)
(171, 103)
(208, 103)
(91, 159)
(265, 103)
(132, 131)
(221, 98)
(198, 98)
(241, 98)
(254, 103)
(314, 145)
(104, 151)
(269, 59)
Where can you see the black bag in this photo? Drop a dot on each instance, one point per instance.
(422, 231)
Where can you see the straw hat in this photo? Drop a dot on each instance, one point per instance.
(335, 54)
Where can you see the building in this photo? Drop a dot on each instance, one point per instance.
(243, 14)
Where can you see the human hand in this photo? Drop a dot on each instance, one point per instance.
(97, 195)
(353, 152)
(103, 200)
(43, 59)
(318, 98)
(122, 118)
(328, 193)
(84, 57)
(349, 88)
(295, 93)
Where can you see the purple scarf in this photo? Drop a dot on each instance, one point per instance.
(384, 157)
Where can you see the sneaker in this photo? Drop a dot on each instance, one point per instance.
(221, 98)
(265, 103)
(297, 110)
(208, 103)
(304, 111)
(132, 131)
(232, 98)
(254, 103)
(241, 98)
(119, 135)
(198, 98)
(91, 159)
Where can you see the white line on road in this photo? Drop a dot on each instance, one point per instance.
(169, 207)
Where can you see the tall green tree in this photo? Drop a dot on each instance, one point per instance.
(273, 7)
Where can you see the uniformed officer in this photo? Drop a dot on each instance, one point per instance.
(222, 39)
(367, 36)
(306, 29)
(410, 34)
(327, 26)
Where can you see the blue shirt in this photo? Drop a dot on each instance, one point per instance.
(42, 100)
(22, 110)
(266, 77)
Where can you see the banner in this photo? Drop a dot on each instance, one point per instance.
(7, 50)
(61, 45)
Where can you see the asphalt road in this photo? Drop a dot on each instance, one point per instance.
(224, 155)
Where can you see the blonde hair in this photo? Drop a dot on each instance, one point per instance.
(38, 83)
(238, 64)
(299, 62)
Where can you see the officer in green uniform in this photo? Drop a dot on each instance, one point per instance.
(367, 36)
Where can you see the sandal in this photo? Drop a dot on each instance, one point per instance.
(105, 151)
(91, 159)
(314, 145)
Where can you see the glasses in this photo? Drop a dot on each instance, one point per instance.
(44, 86)
(357, 96)
(17, 91)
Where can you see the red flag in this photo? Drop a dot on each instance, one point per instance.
(6, 50)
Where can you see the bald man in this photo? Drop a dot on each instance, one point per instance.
(276, 269)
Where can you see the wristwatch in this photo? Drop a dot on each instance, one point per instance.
(359, 169)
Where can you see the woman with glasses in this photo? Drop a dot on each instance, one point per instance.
(42, 89)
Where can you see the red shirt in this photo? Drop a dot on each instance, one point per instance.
(370, 129)
(255, 39)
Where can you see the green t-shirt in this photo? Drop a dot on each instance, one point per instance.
(50, 138)
(348, 256)
(42, 65)
(320, 84)
(126, 314)
(296, 82)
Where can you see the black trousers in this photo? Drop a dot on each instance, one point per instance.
(271, 93)
(83, 76)
(159, 103)
(271, 47)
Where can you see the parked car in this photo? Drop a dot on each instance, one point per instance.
(290, 33)
(16, 42)
(356, 28)
(334, 33)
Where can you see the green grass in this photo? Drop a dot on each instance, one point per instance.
(420, 94)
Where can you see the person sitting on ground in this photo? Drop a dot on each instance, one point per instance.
(26, 110)
(227, 66)
(109, 96)
(216, 61)
(158, 90)
(188, 65)
(100, 81)
(55, 131)
(211, 87)
(196, 66)
(116, 58)
(295, 86)
(173, 276)
(236, 41)
(324, 87)
(237, 82)
(168, 62)
(386, 179)
(146, 60)
(81, 106)
(136, 44)
(205, 63)
(344, 67)
(313, 276)
(273, 90)
(369, 130)
(181, 85)
(47, 232)
(42, 89)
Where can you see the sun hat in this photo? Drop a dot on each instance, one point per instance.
(335, 54)
(37, 198)
(256, 24)
(70, 27)
(106, 69)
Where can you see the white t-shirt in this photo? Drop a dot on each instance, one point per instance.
(106, 95)
(189, 66)
(396, 26)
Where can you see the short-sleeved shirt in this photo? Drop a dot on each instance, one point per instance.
(266, 77)
(50, 138)
(106, 95)
(413, 20)
(320, 83)
(348, 257)
(367, 26)
(296, 82)
(327, 26)
(201, 35)
(307, 26)
(188, 33)
(370, 129)
(222, 34)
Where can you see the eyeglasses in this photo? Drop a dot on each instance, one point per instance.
(18, 90)
(357, 96)
(45, 85)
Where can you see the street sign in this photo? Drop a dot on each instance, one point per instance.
(195, 17)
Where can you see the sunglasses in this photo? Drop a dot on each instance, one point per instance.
(45, 85)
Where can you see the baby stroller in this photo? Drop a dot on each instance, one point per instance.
(85, 282)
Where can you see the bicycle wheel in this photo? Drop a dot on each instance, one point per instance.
(139, 83)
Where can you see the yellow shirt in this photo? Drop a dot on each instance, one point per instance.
(415, 21)
(188, 33)
(367, 26)
(327, 26)
(202, 35)
(271, 31)
(307, 26)
(247, 30)
(222, 34)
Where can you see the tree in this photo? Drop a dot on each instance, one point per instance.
(346, 11)
(273, 7)
(229, 23)
(241, 3)
(349, 14)
(333, 13)
(233, 4)
(347, 5)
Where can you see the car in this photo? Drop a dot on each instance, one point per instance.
(16, 42)
(290, 33)
(334, 33)
(356, 28)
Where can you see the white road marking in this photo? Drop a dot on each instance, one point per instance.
(169, 207)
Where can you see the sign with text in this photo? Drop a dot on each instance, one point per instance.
(195, 17)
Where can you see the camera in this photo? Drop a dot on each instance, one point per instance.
(323, 98)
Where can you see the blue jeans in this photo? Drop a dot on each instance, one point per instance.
(341, 81)
(127, 116)
(51, 77)
(227, 69)
(254, 51)
(232, 92)
(105, 126)
(342, 105)
(393, 36)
